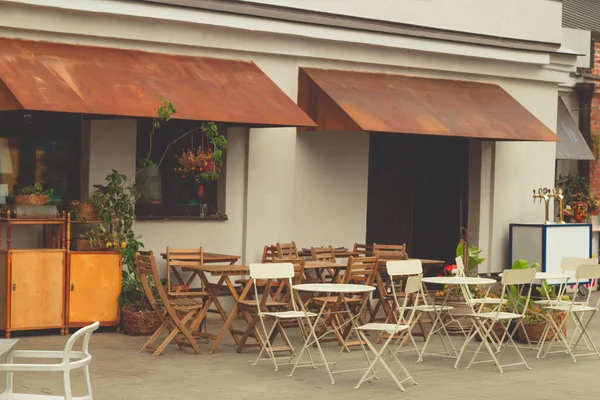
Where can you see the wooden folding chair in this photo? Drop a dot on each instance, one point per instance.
(323, 254)
(183, 260)
(364, 250)
(167, 309)
(276, 298)
(269, 255)
(360, 271)
(287, 250)
(385, 252)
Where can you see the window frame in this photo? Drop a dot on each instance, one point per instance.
(169, 209)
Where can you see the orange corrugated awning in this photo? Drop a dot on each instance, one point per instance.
(350, 100)
(96, 80)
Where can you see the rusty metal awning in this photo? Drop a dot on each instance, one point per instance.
(572, 145)
(95, 80)
(350, 100)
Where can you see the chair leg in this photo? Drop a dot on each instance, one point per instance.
(67, 385)
(154, 336)
(88, 382)
(378, 359)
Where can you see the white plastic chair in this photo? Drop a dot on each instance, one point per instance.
(485, 321)
(282, 272)
(70, 360)
(574, 310)
(413, 287)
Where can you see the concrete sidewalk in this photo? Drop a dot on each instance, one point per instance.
(119, 371)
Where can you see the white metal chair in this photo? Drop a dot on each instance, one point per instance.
(471, 300)
(407, 268)
(279, 274)
(485, 321)
(413, 287)
(70, 360)
(574, 310)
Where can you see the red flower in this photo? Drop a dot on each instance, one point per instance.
(440, 276)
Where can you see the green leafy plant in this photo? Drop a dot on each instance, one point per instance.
(37, 189)
(473, 255)
(114, 204)
(577, 190)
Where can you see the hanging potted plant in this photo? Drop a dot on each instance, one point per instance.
(204, 163)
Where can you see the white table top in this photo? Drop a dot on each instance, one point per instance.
(548, 275)
(459, 280)
(7, 344)
(333, 287)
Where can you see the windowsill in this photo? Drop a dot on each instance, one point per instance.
(182, 218)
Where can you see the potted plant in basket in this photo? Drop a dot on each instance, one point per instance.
(33, 195)
(535, 316)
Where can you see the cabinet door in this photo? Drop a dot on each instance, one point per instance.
(37, 289)
(95, 285)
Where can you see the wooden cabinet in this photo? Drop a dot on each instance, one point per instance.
(93, 288)
(37, 288)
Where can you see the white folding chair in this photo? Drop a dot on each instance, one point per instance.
(407, 268)
(413, 287)
(283, 274)
(70, 360)
(575, 310)
(485, 321)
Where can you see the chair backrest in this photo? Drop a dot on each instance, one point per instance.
(269, 254)
(404, 267)
(322, 253)
(287, 250)
(181, 258)
(518, 276)
(361, 270)
(145, 266)
(364, 250)
(389, 252)
(513, 283)
(299, 266)
(585, 273)
(460, 266)
(572, 263)
(278, 275)
(84, 357)
(413, 290)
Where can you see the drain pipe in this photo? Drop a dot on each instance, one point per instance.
(585, 93)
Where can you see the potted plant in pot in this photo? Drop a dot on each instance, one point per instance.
(33, 195)
(84, 210)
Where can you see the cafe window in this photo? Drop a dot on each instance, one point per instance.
(167, 193)
(41, 147)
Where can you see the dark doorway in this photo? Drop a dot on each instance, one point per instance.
(417, 193)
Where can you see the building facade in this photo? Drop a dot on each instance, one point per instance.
(312, 187)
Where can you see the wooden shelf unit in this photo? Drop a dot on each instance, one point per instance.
(53, 287)
(32, 280)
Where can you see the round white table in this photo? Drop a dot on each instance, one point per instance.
(464, 282)
(334, 293)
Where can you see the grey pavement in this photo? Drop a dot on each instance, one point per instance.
(119, 371)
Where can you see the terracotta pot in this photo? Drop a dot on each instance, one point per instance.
(535, 331)
(82, 244)
(87, 211)
(460, 309)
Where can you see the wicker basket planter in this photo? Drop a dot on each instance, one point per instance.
(139, 323)
(87, 211)
(31, 199)
(535, 331)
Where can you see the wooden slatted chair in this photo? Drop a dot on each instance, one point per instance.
(287, 250)
(364, 250)
(323, 254)
(385, 252)
(269, 255)
(359, 271)
(181, 260)
(167, 309)
(276, 297)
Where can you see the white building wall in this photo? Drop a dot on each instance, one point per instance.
(312, 187)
